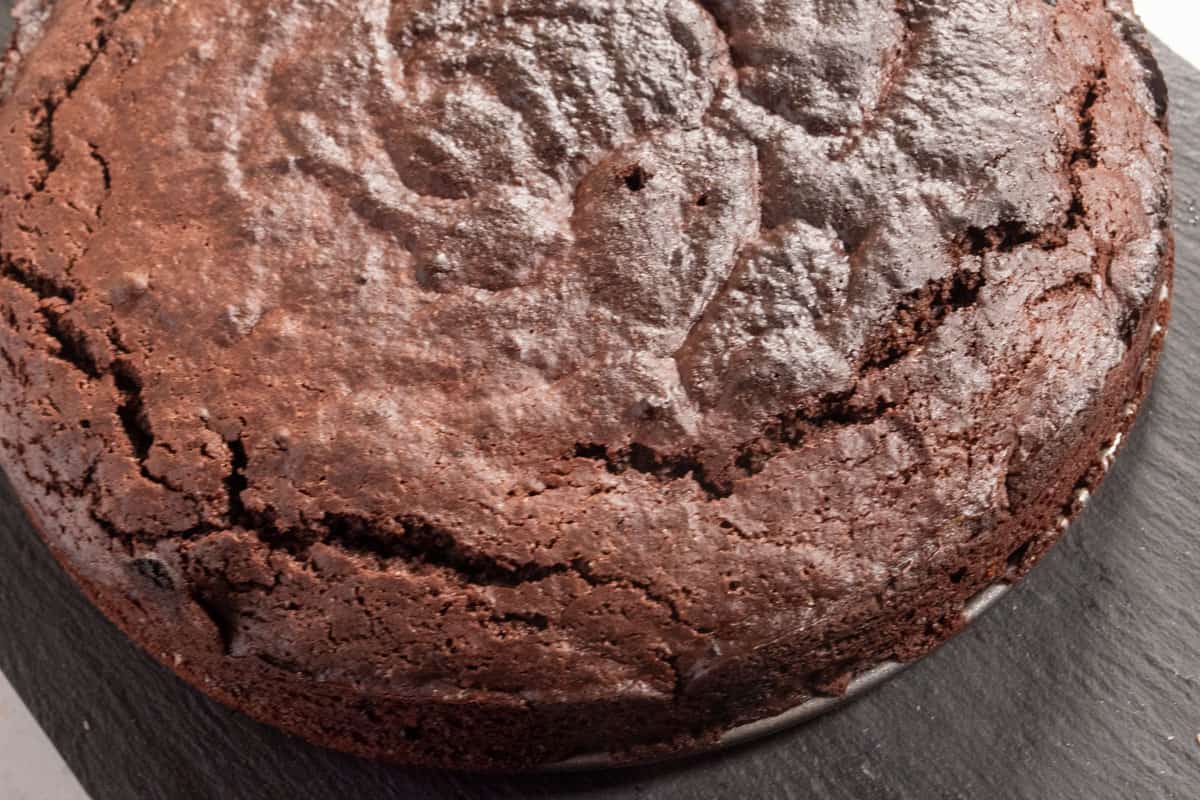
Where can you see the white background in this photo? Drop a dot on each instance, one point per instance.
(1176, 22)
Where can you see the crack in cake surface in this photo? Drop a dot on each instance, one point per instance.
(42, 138)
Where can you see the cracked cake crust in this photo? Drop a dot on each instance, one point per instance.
(421, 377)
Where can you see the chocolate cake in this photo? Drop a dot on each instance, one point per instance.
(481, 384)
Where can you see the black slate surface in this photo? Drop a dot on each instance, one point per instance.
(1084, 682)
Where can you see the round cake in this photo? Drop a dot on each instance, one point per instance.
(482, 384)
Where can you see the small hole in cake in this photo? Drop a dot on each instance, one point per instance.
(958, 575)
(1017, 557)
(153, 570)
(702, 200)
(591, 450)
(636, 178)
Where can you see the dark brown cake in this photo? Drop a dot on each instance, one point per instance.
(484, 383)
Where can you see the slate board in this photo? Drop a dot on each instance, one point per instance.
(1084, 682)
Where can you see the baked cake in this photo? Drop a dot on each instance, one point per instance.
(481, 384)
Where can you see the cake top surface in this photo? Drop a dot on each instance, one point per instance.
(627, 333)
